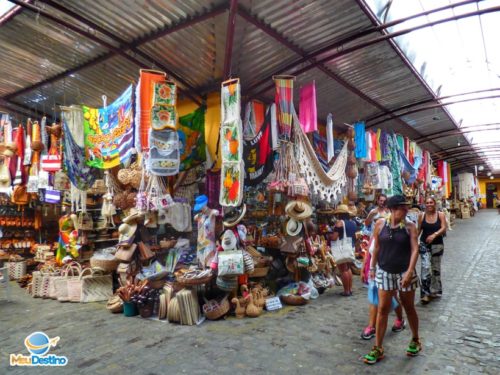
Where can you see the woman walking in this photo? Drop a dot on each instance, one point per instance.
(393, 263)
(345, 221)
(432, 226)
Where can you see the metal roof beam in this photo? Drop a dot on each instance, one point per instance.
(459, 131)
(432, 106)
(427, 101)
(352, 37)
(483, 151)
(122, 48)
(228, 54)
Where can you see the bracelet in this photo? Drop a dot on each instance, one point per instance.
(372, 268)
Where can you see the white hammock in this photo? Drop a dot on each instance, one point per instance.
(325, 184)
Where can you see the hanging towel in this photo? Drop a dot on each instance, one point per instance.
(378, 150)
(360, 140)
(373, 148)
(330, 145)
(274, 127)
(307, 108)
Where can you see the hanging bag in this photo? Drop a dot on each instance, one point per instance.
(342, 250)
(52, 162)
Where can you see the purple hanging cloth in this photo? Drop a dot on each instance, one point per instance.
(307, 108)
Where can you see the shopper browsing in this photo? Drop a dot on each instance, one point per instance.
(431, 227)
(393, 263)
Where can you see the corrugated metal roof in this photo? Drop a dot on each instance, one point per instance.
(34, 49)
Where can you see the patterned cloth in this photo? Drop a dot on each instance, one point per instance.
(307, 108)
(192, 139)
(284, 106)
(68, 236)
(109, 132)
(431, 269)
(392, 281)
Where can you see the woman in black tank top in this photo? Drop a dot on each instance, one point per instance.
(393, 263)
(432, 227)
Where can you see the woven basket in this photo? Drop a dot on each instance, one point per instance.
(107, 265)
(95, 287)
(259, 272)
(293, 300)
(16, 269)
(215, 310)
(194, 281)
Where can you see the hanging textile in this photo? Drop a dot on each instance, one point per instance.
(192, 139)
(164, 154)
(325, 184)
(320, 145)
(80, 174)
(274, 128)
(258, 154)
(254, 118)
(379, 149)
(330, 145)
(397, 183)
(373, 146)
(231, 138)
(449, 180)
(144, 103)
(284, 105)
(386, 152)
(307, 108)
(360, 140)
(409, 167)
(109, 132)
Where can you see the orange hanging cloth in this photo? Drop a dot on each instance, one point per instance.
(143, 118)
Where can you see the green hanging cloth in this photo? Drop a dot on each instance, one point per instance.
(192, 139)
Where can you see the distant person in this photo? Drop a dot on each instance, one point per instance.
(431, 228)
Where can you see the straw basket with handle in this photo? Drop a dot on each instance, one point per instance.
(48, 275)
(58, 286)
(75, 286)
(96, 287)
(16, 269)
(107, 265)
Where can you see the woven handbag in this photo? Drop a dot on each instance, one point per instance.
(75, 286)
(96, 287)
(61, 283)
(48, 275)
(342, 250)
(36, 283)
(85, 221)
(16, 269)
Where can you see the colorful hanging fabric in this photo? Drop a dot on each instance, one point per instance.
(386, 152)
(320, 145)
(330, 145)
(164, 154)
(192, 139)
(274, 127)
(307, 108)
(258, 154)
(231, 136)
(254, 118)
(144, 102)
(373, 146)
(68, 236)
(80, 174)
(109, 132)
(379, 149)
(360, 140)
(397, 186)
(284, 105)
(449, 180)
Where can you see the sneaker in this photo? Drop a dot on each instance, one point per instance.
(368, 333)
(398, 325)
(414, 348)
(375, 355)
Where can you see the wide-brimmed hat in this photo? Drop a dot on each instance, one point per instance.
(229, 240)
(127, 232)
(353, 210)
(342, 209)
(398, 200)
(200, 202)
(234, 215)
(133, 216)
(324, 208)
(293, 227)
(299, 210)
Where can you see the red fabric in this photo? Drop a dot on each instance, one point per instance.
(373, 149)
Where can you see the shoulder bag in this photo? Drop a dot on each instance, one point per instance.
(342, 250)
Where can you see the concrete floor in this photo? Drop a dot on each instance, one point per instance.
(460, 332)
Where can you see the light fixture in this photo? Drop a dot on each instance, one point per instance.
(488, 174)
(481, 168)
(458, 143)
(491, 177)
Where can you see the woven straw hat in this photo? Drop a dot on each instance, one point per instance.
(342, 209)
(298, 210)
(293, 227)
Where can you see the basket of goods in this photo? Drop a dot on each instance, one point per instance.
(115, 304)
(214, 309)
(196, 277)
(145, 300)
(259, 272)
(16, 267)
(105, 261)
(295, 294)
